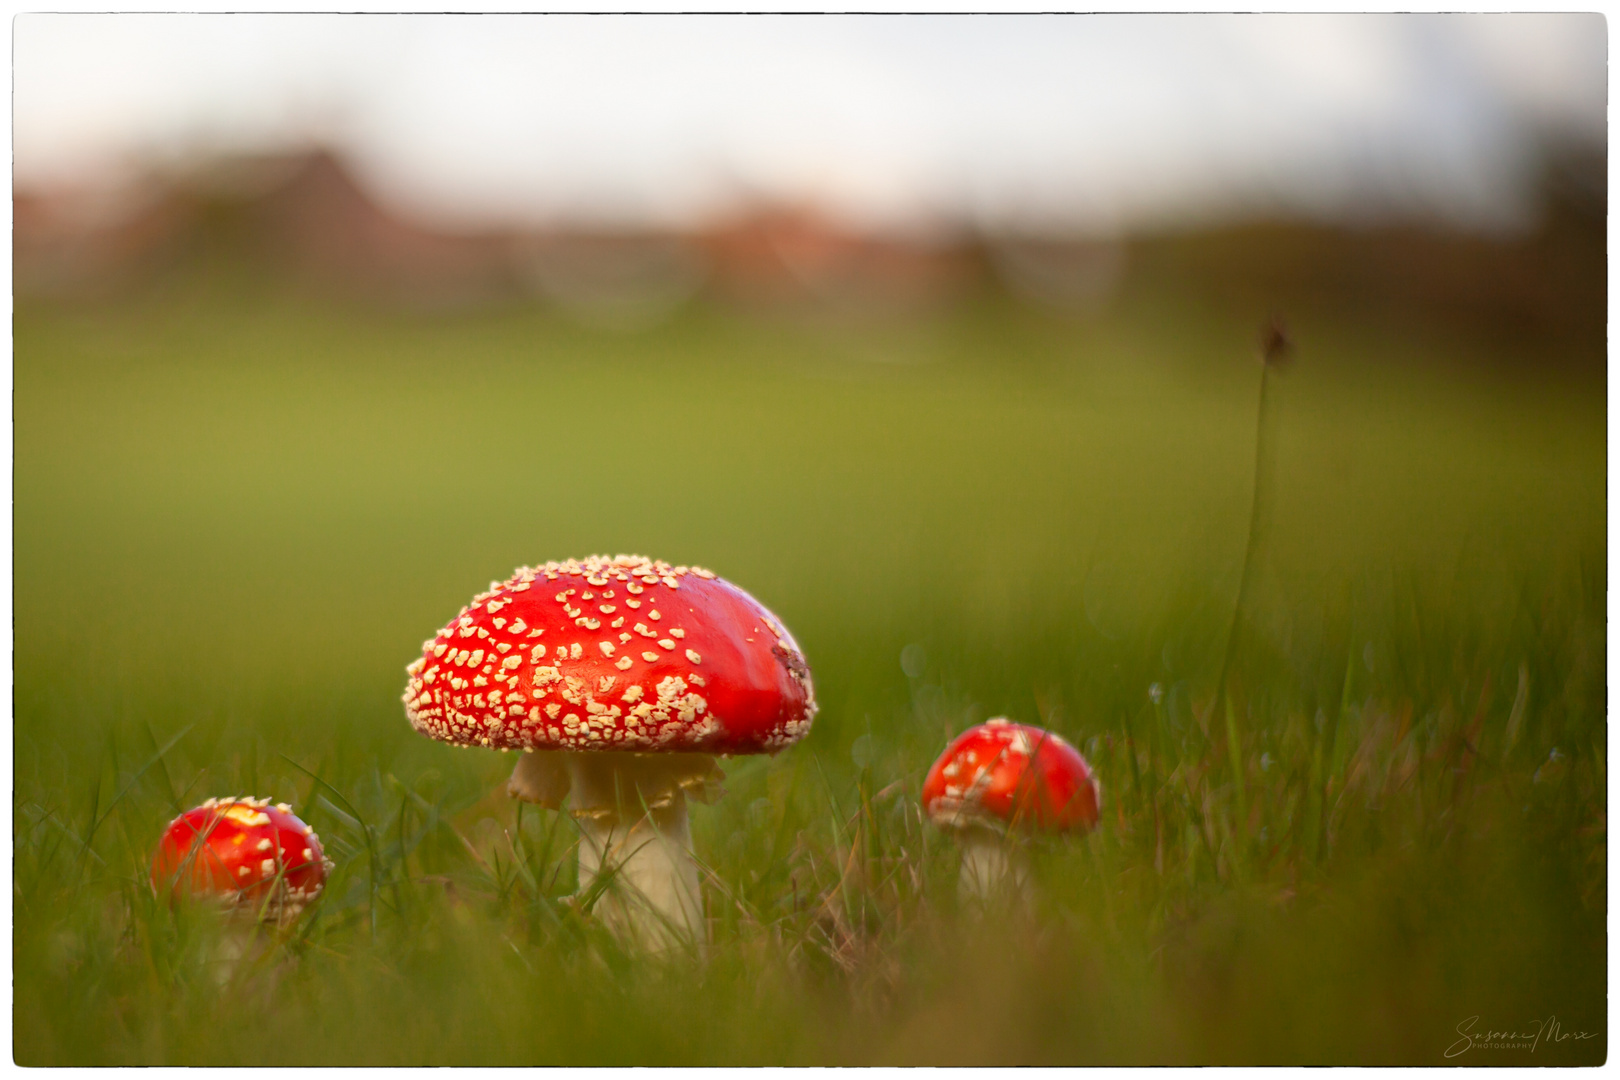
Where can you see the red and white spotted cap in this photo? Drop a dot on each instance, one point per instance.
(1016, 774)
(617, 654)
(244, 851)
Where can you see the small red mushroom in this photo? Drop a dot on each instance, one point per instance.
(245, 852)
(999, 779)
(619, 677)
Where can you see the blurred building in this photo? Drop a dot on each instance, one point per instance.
(68, 243)
(301, 217)
(305, 219)
(796, 257)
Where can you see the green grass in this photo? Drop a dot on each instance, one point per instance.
(239, 512)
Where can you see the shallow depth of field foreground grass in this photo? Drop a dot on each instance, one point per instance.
(238, 514)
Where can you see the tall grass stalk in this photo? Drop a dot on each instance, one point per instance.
(1275, 350)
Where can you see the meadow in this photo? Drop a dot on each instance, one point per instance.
(240, 509)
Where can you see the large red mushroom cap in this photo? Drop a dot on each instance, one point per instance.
(615, 654)
(244, 851)
(1004, 774)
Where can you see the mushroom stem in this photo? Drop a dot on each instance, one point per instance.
(635, 836)
(650, 893)
(225, 958)
(994, 867)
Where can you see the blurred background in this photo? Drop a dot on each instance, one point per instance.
(619, 168)
(939, 336)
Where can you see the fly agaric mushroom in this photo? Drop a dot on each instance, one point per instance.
(619, 678)
(245, 852)
(998, 779)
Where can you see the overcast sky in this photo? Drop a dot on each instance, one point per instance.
(1095, 122)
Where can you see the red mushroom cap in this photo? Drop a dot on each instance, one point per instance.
(1013, 773)
(243, 850)
(619, 654)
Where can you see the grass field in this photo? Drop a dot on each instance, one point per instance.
(238, 513)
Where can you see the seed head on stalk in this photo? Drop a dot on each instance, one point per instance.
(1276, 353)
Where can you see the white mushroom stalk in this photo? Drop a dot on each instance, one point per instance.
(995, 866)
(635, 838)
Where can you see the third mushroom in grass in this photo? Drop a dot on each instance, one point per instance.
(995, 784)
(260, 862)
(620, 678)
